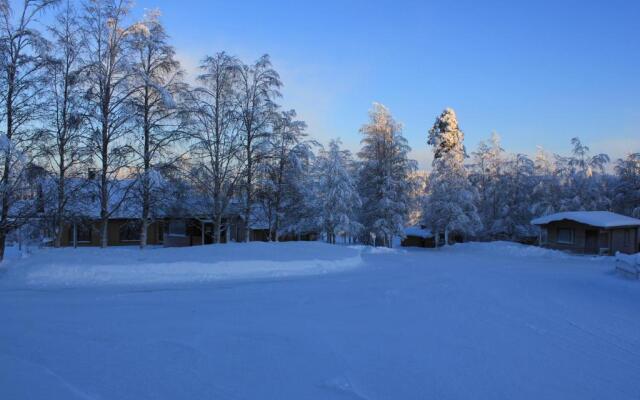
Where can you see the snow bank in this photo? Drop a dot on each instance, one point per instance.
(132, 266)
(628, 264)
(500, 248)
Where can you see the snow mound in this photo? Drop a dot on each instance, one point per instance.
(132, 266)
(501, 248)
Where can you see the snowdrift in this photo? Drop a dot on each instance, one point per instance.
(628, 265)
(132, 266)
(510, 249)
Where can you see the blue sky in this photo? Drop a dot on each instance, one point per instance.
(537, 72)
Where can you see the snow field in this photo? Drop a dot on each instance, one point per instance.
(470, 321)
(85, 267)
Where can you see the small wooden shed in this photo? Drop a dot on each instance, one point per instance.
(590, 232)
(418, 236)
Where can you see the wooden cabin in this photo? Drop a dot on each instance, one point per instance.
(589, 232)
(418, 236)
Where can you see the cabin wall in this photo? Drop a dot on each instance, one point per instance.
(624, 240)
(154, 234)
(416, 241)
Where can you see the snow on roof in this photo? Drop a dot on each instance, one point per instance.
(418, 231)
(600, 219)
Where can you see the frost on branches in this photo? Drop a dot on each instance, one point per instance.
(384, 180)
(337, 198)
(450, 206)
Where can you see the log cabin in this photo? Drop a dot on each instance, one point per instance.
(589, 232)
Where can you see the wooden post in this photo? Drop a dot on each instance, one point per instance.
(75, 235)
(202, 231)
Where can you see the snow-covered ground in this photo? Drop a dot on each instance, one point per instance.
(313, 321)
(129, 266)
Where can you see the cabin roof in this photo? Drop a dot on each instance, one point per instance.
(418, 231)
(600, 219)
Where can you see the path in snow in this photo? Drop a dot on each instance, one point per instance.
(473, 321)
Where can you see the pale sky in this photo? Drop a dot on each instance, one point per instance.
(538, 73)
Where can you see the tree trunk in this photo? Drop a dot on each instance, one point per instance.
(4, 213)
(249, 189)
(217, 228)
(61, 198)
(104, 235)
(3, 239)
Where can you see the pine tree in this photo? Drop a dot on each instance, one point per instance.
(450, 205)
(384, 182)
(337, 197)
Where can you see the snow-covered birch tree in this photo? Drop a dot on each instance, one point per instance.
(583, 179)
(627, 190)
(22, 65)
(63, 114)
(214, 134)
(157, 80)
(258, 87)
(109, 88)
(384, 182)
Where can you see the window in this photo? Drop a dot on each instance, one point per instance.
(544, 236)
(565, 236)
(178, 228)
(130, 232)
(160, 232)
(83, 233)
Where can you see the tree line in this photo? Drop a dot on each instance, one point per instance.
(97, 91)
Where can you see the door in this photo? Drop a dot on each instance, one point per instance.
(591, 242)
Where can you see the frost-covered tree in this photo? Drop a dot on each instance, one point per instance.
(513, 217)
(156, 86)
(583, 179)
(214, 133)
(504, 183)
(627, 189)
(487, 178)
(22, 65)
(337, 196)
(258, 86)
(451, 203)
(547, 192)
(284, 164)
(384, 182)
(109, 88)
(62, 144)
(297, 215)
